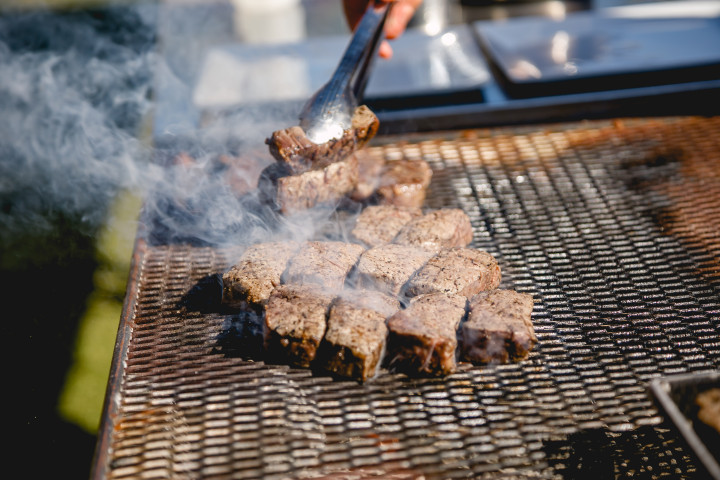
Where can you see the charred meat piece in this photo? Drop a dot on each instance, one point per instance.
(404, 183)
(388, 267)
(323, 263)
(356, 333)
(423, 337)
(370, 169)
(292, 147)
(253, 278)
(436, 230)
(380, 224)
(294, 193)
(295, 323)
(461, 270)
(499, 327)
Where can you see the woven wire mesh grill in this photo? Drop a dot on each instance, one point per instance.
(613, 227)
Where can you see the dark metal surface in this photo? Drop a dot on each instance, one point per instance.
(613, 227)
(676, 397)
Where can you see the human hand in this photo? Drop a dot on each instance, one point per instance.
(395, 25)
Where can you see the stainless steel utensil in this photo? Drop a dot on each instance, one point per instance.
(329, 111)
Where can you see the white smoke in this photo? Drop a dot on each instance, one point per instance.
(73, 90)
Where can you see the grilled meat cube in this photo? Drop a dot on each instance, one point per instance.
(499, 327)
(355, 338)
(388, 267)
(379, 224)
(323, 263)
(292, 147)
(461, 270)
(295, 323)
(423, 337)
(294, 193)
(253, 278)
(404, 183)
(438, 229)
(369, 170)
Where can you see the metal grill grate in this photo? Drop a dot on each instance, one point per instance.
(614, 228)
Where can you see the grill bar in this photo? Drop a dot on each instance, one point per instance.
(613, 227)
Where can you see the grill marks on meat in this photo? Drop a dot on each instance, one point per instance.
(356, 333)
(380, 224)
(323, 263)
(422, 338)
(295, 323)
(436, 230)
(251, 281)
(404, 183)
(292, 147)
(388, 267)
(461, 270)
(499, 327)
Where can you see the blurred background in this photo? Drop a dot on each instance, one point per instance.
(78, 113)
(75, 90)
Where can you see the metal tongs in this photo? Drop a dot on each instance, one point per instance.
(329, 111)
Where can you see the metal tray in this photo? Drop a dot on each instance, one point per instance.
(618, 48)
(675, 397)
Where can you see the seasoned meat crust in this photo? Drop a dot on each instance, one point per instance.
(379, 224)
(404, 183)
(436, 230)
(499, 327)
(423, 338)
(388, 267)
(461, 270)
(256, 274)
(295, 193)
(292, 147)
(356, 334)
(295, 323)
(323, 263)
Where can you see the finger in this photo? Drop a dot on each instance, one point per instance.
(399, 16)
(385, 50)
